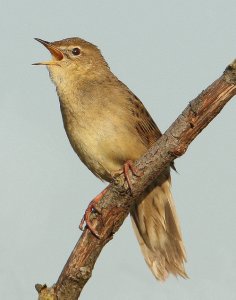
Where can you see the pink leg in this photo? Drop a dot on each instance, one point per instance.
(129, 165)
(91, 207)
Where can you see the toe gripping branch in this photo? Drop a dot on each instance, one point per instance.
(128, 166)
(91, 208)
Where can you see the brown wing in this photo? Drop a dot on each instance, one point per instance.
(143, 122)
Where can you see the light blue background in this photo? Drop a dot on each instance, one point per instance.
(167, 52)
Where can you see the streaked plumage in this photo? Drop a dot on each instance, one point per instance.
(107, 125)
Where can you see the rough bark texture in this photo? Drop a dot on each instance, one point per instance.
(116, 204)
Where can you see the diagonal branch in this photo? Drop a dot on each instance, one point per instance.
(117, 202)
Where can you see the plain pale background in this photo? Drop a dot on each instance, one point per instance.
(167, 52)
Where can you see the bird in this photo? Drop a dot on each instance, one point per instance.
(109, 127)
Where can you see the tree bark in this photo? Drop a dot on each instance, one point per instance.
(117, 202)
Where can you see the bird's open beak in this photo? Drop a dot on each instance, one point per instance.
(57, 55)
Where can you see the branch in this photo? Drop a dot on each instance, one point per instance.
(117, 202)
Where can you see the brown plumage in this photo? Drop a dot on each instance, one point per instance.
(107, 125)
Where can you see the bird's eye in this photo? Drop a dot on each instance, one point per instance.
(75, 51)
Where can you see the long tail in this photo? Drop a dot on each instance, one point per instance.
(158, 232)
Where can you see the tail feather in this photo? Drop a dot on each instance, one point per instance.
(158, 232)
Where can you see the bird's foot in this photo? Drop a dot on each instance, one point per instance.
(128, 166)
(92, 208)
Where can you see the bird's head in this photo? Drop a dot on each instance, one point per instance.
(73, 57)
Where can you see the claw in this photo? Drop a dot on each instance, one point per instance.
(91, 208)
(128, 166)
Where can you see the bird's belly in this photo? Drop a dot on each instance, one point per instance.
(104, 148)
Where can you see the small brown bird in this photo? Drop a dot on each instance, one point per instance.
(108, 126)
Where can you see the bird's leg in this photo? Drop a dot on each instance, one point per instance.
(128, 166)
(91, 208)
